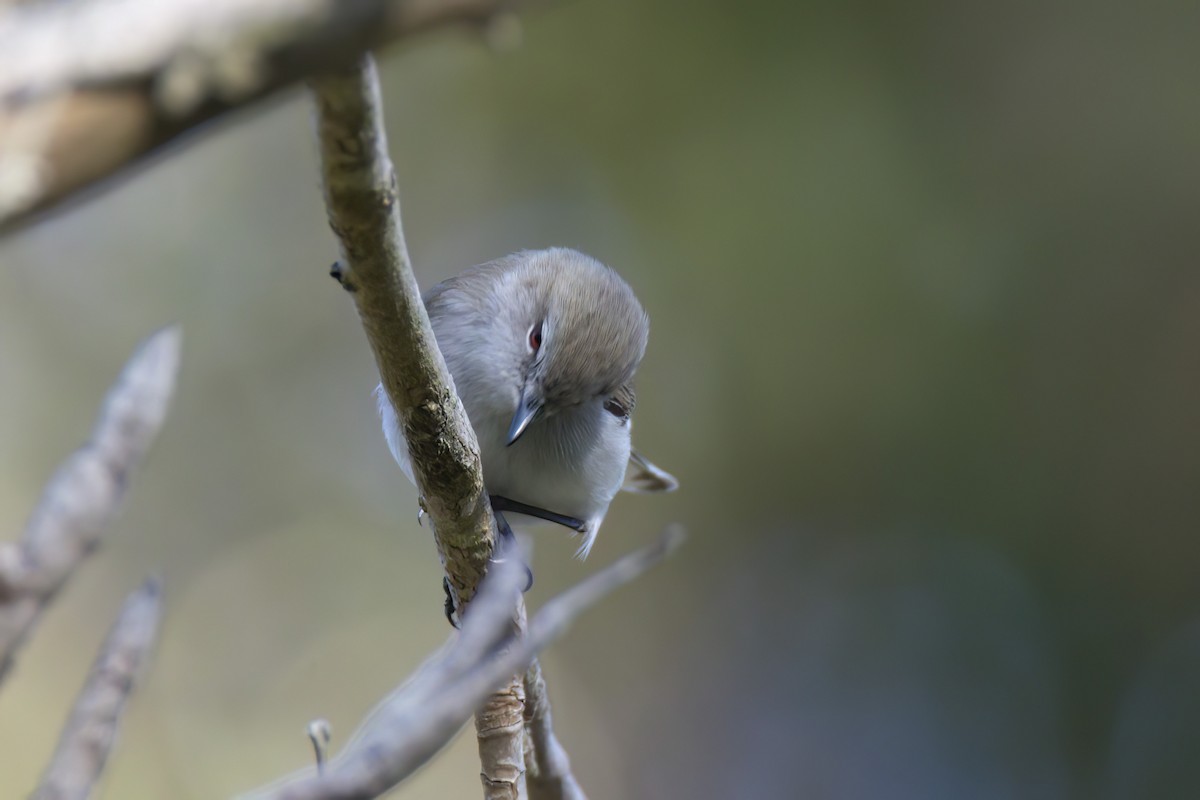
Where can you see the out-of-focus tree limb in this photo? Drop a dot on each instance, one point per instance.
(91, 731)
(82, 498)
(548, 773)
(92, 87)
(417, 719)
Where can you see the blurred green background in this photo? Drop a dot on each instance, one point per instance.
(925, 301)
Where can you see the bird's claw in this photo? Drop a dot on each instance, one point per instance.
(506, 533)
(450, 609)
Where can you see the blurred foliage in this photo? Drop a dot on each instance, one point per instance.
(926, 311)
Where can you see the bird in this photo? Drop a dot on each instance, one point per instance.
(543, 346)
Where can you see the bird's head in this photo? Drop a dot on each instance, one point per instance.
(578, 330)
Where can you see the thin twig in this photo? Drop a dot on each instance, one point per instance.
(554, 618)
(484, 632)
(548, 773)
(319, 734)
(417, 720)
(91, 731)
(402, 724)
(85, 493)
(364, 212)
(117, 97)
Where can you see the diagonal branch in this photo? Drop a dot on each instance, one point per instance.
(82, 498)
(417, 719)
(81, 99)
(364, 212)
(91, 731)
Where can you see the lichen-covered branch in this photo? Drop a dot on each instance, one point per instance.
(81, 99)
(417, 719)
(91, 731)
(85, 493)
(364, 212)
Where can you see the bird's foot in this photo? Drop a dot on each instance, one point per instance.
(501, 504)
(509, 545)
(342, 273)
(510, 542)
(450, 608)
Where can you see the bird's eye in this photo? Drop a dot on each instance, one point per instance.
(535, 337)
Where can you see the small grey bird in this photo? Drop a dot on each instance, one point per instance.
(543, 346)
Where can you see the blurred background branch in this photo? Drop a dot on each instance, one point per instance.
(413, 723)
(548, 773)
(82, 498)
(82, 100)
(91, 731)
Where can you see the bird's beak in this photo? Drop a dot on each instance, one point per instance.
(528, 409)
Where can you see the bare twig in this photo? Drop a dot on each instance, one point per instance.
(484, 632)
(91, 731)
(405, 729)
(416, 720)
(109, 81)
(319, 734)
(364, 211)
(548, 773)
(554, 618)
(83, 496)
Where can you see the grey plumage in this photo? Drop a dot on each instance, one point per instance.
(561, 334)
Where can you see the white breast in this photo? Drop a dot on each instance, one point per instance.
(571, 462)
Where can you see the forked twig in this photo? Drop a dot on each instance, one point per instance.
(420, 716)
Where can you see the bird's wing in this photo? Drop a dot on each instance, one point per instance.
(640, 474)
(643, 476)
(621, 403)
(393, 433)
